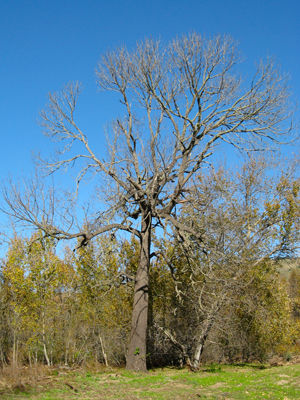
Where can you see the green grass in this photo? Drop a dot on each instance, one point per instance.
(231, 382)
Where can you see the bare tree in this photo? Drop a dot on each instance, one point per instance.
(180, 99)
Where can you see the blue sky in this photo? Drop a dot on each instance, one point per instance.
(44, 44)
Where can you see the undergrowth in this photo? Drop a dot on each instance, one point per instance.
(213, 381)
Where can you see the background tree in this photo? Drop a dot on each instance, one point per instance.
(64, 310)
(14, 296)
(180, 99)
(33, 278)
(105, 298)
(245, 220)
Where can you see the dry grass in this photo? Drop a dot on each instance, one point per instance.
(21, 379)
(15, 380)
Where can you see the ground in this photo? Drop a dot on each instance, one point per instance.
(231, 382)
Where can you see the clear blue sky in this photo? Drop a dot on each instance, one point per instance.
(45, 44)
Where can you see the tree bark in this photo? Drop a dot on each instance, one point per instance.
(136, 357)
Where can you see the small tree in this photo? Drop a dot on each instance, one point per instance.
(180, 99)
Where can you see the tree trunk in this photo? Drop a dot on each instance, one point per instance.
(14, 349)
(44, 339)
(207, 325)
(136, 357)
(200, 343)
(103, 351)
(46, 354)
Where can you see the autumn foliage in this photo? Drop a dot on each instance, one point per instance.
(220, 298)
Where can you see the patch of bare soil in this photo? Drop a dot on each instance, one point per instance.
(282, 382)
(217, 385)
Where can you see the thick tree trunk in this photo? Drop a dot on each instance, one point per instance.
(136, 357)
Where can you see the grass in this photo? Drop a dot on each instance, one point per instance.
(211, 382)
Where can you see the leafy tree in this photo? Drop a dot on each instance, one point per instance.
(180, 99)
(105, 297)
(244, 219)
(264, 320)
(14, 294)
(32, 278)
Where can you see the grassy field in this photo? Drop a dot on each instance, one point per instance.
(211, 382)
